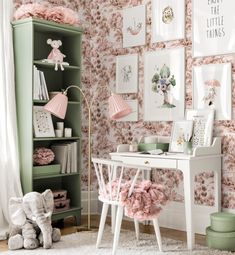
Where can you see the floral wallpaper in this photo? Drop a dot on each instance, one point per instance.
(102, 21)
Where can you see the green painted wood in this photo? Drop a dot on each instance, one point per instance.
(46, 101)
(49, 65)
(54, 176)
(55, 138)
(30, 46)
(23, 51)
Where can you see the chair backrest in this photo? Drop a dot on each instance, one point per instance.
(111, 176)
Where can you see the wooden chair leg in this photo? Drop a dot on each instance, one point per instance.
(157, 233)
(102, 223)
(113, 217)
(117, 229)
(137, 229)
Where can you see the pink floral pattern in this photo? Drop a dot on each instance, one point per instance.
(102, 21)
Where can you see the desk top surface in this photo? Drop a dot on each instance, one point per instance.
(167, 155)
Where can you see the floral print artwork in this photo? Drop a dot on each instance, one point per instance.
(102, 42)
(162, 82)
(167, 15)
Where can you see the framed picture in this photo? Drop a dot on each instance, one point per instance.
(212, 89)
(134, 26)
(42, 122)
(164, 77)
(203, 121)
(134, 115)
(213, 27)
(181, 132)
(127, 74)
(168, 20)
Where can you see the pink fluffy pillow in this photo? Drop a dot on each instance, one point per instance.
(57, 14)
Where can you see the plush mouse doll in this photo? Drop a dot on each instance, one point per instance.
(56, 56)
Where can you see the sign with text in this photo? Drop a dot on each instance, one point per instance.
(213, 27)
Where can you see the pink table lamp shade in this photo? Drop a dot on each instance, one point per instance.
(118, 108)
(57, 106)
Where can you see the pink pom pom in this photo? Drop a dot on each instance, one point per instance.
(30, 10)
(57, 14)
(43, 156)
(62, 15)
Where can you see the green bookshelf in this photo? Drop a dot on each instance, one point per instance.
(30, 47)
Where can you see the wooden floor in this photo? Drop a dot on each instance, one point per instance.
(69, 228)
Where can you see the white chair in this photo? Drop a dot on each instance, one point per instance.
(108, 171)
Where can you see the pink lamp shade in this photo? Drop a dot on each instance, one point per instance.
(118, 108)
(57, 105)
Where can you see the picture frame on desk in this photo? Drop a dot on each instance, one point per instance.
(42, 122)
(203, 120)
(181, 132)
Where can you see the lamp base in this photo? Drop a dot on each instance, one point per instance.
(85, 228)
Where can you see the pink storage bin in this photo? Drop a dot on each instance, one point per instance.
(59, 195)
(61, 205)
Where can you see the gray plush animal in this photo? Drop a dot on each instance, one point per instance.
(31, 216)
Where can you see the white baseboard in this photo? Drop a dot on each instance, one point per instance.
(172, 216)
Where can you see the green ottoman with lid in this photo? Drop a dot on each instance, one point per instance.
(223, 222)
(221, 234)
(220, 240)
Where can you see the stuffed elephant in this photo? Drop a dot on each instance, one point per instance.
(32, 216)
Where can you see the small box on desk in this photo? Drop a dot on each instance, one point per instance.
(153, 146)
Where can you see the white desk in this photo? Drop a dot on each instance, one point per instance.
(203, 159)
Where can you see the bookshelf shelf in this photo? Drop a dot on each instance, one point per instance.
(45, 176)
(39, 139)
(36, 101)
(30, 44)
(48, 65)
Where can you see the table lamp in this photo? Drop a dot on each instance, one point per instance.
(57, 106)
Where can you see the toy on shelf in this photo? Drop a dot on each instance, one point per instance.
(56, 56)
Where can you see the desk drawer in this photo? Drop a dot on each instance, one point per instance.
(151, 162)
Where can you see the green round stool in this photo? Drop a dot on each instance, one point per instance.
(220, 240)
(223, 222)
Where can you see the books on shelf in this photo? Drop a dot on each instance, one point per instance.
(66, 156)
(39, 84)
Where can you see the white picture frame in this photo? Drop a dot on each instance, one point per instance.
(203, 121)
(42, 122)
(213, 27)
(168, 104)
(134, 26)
(133, 116)
(168, 20)
(181, 132)
(127, 74)
(212, 89)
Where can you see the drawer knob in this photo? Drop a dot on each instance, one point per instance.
(146, 162)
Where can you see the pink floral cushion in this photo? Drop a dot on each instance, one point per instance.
(145, 202)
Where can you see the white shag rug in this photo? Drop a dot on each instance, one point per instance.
(83, 243)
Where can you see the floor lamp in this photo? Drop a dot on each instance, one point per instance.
(57, 106)
(118, 108)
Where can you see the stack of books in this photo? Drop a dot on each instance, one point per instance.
(66, 155)
(39, 85)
